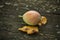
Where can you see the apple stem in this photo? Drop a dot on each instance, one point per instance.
(20, 16)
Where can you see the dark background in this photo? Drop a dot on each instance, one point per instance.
(10, 22)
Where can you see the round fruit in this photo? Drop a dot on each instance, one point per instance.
(31, 17)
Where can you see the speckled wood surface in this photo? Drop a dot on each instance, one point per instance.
(10, 22)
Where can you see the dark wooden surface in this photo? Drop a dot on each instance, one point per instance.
(10, 22)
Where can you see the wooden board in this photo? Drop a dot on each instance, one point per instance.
(10, 22)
